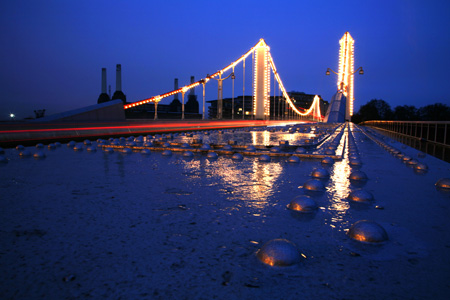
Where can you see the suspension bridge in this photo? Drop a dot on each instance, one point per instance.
(270, 103)
(263, 69)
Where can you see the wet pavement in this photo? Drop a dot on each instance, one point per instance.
(98, 225)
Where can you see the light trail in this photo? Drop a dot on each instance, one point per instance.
(10, 136)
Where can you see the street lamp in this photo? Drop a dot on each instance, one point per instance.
(232, 95)
(12, 116)
(341, 86)
(360, 69)
(220, 93)
(156, 101)
(203, 82)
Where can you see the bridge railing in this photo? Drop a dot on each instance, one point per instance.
(437, 132)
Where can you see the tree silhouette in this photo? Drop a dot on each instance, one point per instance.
(375, 109)
(406, 113)
(435, 112)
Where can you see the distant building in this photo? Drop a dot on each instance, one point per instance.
(192, 103)
(175, 105)
(118, 94)
(227, 105)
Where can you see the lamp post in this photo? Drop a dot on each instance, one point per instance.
(183, 91)
(204, 81)
(232, 95)
(243, 90)
(157, 99)
(220, 94)
(360, 69)
(341, 88)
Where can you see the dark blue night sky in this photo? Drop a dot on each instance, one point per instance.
(53, 51)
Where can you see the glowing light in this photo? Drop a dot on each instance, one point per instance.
(261, 138)
(345, 74)
(261, 103)
(266, 83)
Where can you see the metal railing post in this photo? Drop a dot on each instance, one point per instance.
(435, 132)
(421, 131)
(445, 134)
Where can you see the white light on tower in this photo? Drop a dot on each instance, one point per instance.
(345, 74)
(261, 102)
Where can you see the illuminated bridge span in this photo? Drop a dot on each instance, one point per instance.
(263, 65)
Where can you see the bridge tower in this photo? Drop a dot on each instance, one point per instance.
(345, 74)
(341, 106)
(261, 83)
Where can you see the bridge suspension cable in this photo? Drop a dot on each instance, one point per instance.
(314, 105)
(313, 111)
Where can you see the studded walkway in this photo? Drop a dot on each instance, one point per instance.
(93, 220)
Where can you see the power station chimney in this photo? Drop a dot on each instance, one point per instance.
(192, 91)
(192, 103)
(118, 77)
(103, 80)
(175, 97)
(118, 94)
(175, 105)
(104, 97)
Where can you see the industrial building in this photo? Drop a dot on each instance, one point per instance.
(118, 94)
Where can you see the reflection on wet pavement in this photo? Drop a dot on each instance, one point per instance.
(249, 182)
(116, 224)
(338, 187)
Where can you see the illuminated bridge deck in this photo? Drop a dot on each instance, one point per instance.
(101, 225)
